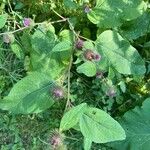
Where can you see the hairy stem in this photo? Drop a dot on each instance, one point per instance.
(68, 82)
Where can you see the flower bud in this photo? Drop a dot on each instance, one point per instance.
(99, 75)
(79, 44)
(87, 9)
(97, 57)
(8, 38)
(58, 92)
(111, 92)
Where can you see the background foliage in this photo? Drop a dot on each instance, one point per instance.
(77, 66)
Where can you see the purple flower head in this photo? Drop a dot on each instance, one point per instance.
(99, 75)
(79, 44)
(56, 139)
(27, 22)
(58, 93)
(97, 57)
(87, 9)
(111, 92)
(89, 55)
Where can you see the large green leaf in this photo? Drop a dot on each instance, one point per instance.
(88, 68)
(136, 28)
(136, 123)
(29, 95)
(109, 14)
(42, 58)
(71, 118)
(100, 127)
(3, 19)
(119, 53)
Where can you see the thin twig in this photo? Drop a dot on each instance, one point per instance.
(59, 15)
(43, 141)
(68, 91)
(72, 28)
(86, 39)
(11, 32)
(23, 28)
(12, 13)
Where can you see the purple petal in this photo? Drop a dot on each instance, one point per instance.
(27, 22)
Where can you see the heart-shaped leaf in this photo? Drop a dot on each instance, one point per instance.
(119, 53)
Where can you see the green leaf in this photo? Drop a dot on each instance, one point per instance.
(120, 10)
(119, 53)
(136, 124)
(42, 58)
(87, 144)
(66, 35)
(88, 68)
(71, 118)
(88, 45)
(70, 4)
(122, 86)
(26, 42)
(43, 42)
(136, 28)
(29, 95)
(100, 127)
(16, 48)
(19, 5)
(3, 19)
(62, 46)
(48, 64)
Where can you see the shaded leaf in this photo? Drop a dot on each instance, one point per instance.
(136, 28)
(43, 42)
(136, 124)
(42, 59)
(70, 4)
